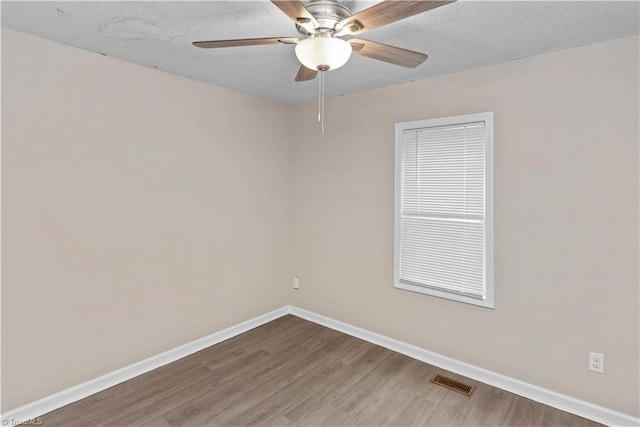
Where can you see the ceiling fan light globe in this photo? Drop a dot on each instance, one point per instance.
(318, 53)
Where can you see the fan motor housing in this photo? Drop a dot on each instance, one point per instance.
(328, 13)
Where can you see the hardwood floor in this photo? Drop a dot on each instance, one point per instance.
(294, 372)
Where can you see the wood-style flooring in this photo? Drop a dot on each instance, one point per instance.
(294, 372)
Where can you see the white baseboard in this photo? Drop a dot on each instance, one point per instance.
(40, 407)
(569, 404)
(521, 388)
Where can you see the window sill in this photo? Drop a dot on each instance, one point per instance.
(486, 302)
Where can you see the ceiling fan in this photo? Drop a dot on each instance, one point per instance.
(322, 25)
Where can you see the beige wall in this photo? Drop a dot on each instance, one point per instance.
(133, 199)
(140, 211)
(566, 219)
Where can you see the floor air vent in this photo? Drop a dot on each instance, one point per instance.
(452, 384)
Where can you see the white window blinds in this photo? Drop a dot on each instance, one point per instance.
(441, 241)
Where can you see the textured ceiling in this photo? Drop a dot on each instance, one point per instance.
(459, 36)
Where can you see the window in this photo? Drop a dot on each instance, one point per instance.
(444, 208)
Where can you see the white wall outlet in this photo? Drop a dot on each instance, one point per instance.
(296, 282)
(596, 362)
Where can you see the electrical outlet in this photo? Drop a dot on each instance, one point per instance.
(296, 282)
(596, 362)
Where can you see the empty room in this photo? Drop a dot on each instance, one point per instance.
(320, 213)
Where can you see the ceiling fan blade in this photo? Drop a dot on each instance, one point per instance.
(245, 42)
(385, 13)
(305, 74)
(384, 52)
(295, 10)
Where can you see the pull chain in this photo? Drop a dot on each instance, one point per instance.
(320, 98)
(321, 101)
(322, 83)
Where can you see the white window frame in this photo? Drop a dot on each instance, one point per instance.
(400, 128)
